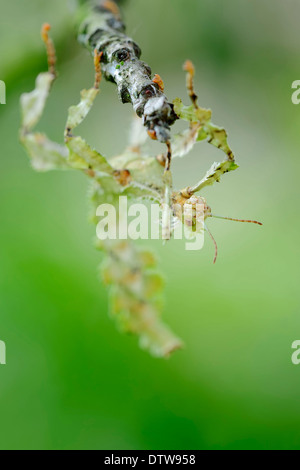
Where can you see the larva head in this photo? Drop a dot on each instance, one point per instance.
(191, 211)
(198, 204)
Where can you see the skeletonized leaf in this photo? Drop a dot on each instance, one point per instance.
(79, 112)
(190, 113)
(44, 154)
(135, 293)
(184, 142)
(218, 138)
(214, 174)
(138, 135)
(33, 103)
(148, 172)
(139, 191)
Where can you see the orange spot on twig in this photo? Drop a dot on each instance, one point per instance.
(98, 72)
(45, 30)
(50, 48)
(159, 81)
(112, 7)
(161, 160)
(190, 69)
(152, 134)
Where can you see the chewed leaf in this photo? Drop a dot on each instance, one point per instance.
(184, 142)
(214, 175)
(146, 258)
(153, 285)
(33, 103)
(82, 156)
(147, 172)
(78, 113)
(137, 317)
(202, 135)
(157, 337)
(135, 294)
(45, 155)
(140, 191)
(217, 136)
(190, 113)
(138, 135)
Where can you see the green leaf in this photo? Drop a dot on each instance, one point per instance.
(218, 137)
(190, 113)
(214, 174)
(82, 156)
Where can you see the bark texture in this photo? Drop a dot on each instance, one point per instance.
(103, 29)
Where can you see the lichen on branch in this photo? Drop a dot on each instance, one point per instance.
(103, 29)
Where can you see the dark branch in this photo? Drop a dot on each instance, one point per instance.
(103, 29)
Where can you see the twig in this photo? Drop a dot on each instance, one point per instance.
(103, 29)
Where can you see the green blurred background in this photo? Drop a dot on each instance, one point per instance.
(71, 380)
